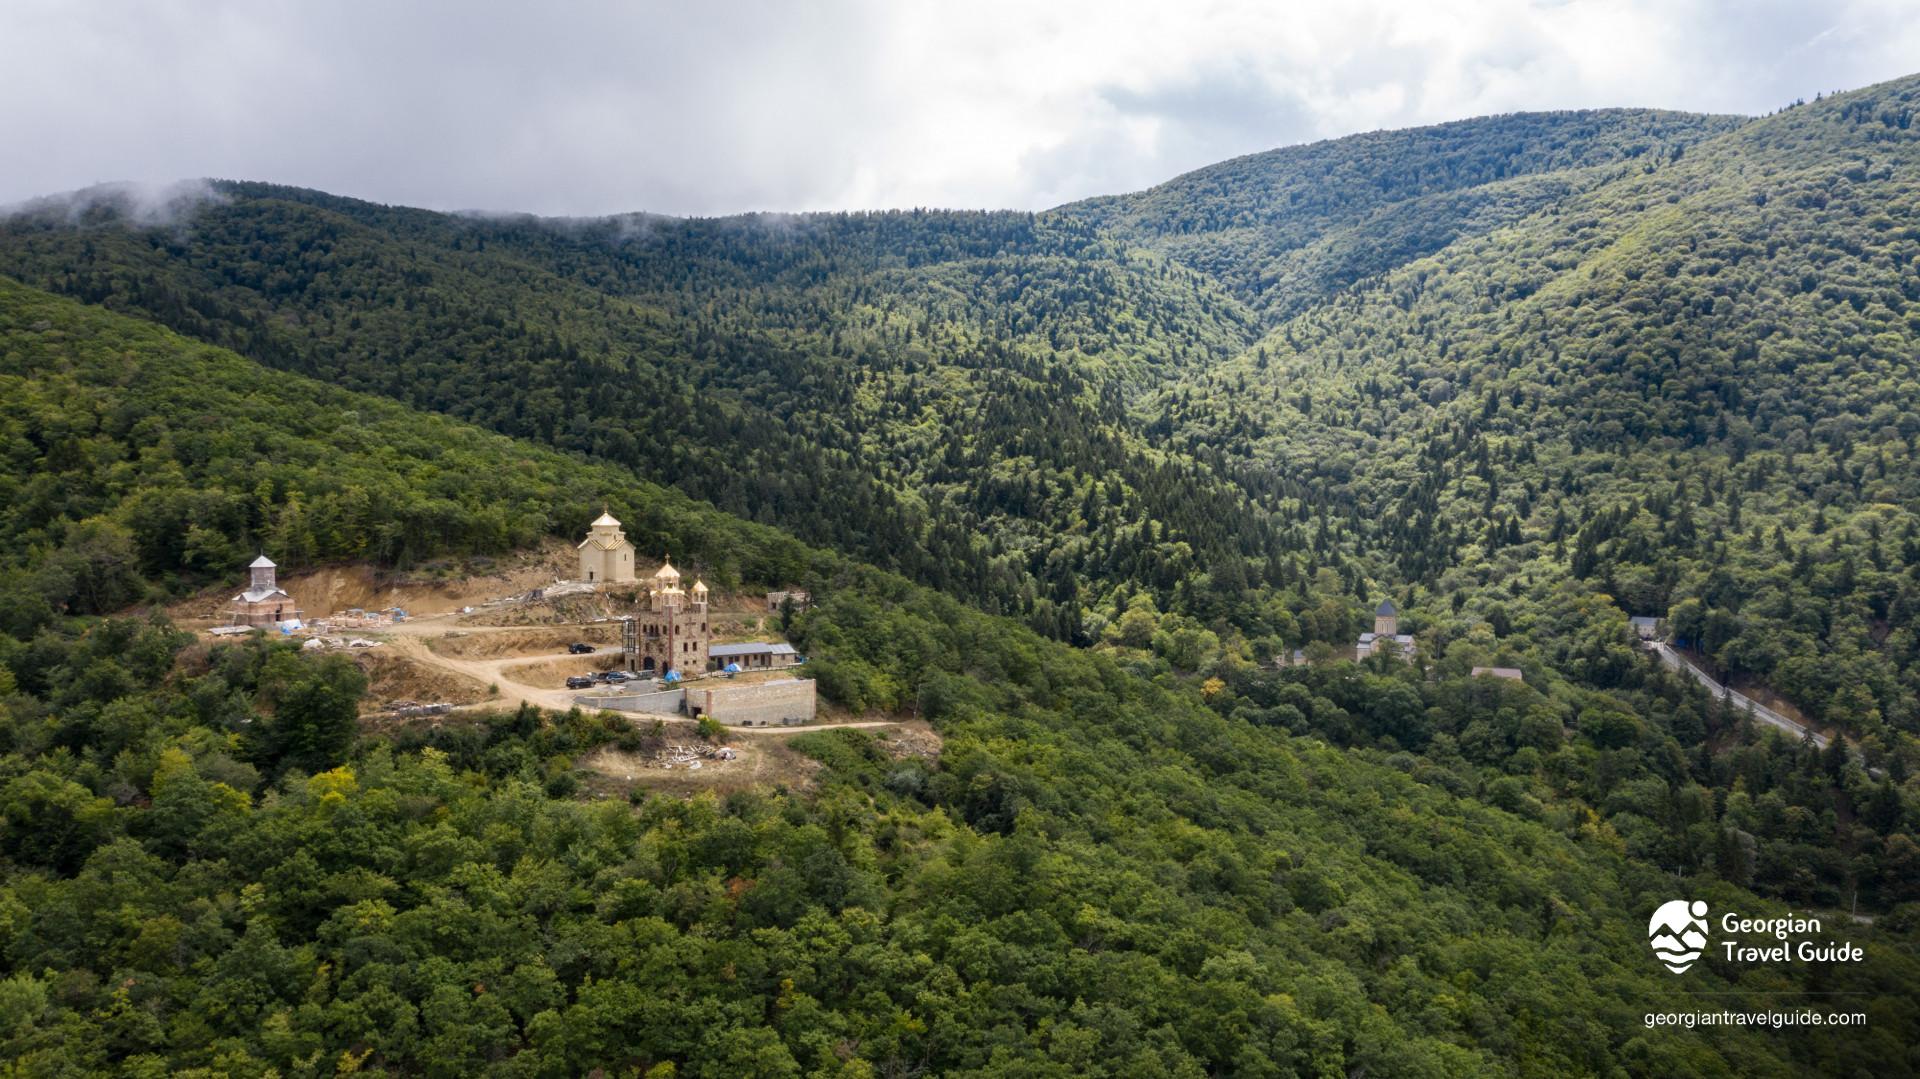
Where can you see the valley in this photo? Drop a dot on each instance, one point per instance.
(1215, 618)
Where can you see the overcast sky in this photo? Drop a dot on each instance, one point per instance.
(602, 107)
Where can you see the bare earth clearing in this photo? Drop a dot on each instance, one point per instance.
(529, 664)
(464, 644)
(429, 590)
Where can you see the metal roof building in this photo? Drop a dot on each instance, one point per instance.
(752, 656)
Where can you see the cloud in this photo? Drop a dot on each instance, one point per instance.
(590, 107)
(144, 204)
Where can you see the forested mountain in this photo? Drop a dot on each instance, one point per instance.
(812, 370)
(809, 371)
(1048, 414)
(1524, 375)
(1290, 227)
(1694, 386)
(1107, 870)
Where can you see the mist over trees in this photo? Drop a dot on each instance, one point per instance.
(1065, 486)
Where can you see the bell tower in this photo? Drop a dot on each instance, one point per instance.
(261, 571)
(673, 634)
(1386, 619)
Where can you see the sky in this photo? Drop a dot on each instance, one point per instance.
(591, 107)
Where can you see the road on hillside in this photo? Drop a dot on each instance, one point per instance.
(410, 639)
(1760, 711)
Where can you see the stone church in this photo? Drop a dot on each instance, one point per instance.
(605, 555)
(1386, 637)
(264, 603)
(671, 632)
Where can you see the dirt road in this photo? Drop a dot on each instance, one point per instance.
(410, 639)
(488, 672)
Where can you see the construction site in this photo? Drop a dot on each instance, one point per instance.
(558, 628)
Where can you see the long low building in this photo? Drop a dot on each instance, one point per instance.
(752, 656)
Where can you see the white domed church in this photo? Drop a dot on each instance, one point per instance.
(605, 555)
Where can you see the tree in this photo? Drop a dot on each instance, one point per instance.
(315, 705)
(99, 567)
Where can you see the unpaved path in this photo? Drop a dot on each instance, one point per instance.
(513, 693)
(410, 639)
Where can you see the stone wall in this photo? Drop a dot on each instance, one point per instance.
(660, 702)
(763, 704)
(766, 704)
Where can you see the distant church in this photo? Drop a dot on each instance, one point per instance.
(1386, 637)
(264, 603)
(605, 555)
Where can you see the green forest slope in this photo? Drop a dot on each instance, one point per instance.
(1667, 354)
(952, 395)
(1288, 228)
(810, 372)
(204, 871)
(1693, 387)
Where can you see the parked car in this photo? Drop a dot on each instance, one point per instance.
(580, 648)
(618, 677)
(580, 681)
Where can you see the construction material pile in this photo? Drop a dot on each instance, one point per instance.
(689, 755)
(314, 644)
(418, 708)
(556, 590)
(355, 618)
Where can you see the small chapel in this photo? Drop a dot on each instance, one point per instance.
(1386, 637)
(264, 603)
(606, 557)
(670, 632)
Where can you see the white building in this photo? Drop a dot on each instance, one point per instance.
(605, 555)
(264, 603)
